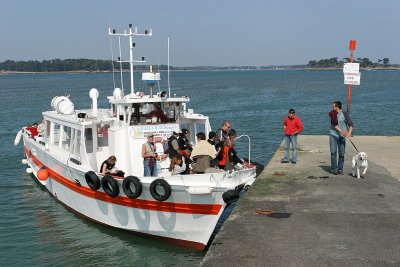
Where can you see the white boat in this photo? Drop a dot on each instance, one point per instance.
(66, 159)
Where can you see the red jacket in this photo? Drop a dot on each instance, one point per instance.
(33, 131)
(293, 125)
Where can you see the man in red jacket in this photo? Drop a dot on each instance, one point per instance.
(292, 126)
(33, 130)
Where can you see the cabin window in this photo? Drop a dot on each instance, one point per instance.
(102, 134)
(57, 131)
(194, 128)
(47, 134)
(171, 110)
(76, 144)
(77, 147)
(66, 138)
(135, 115)
(153, 113)
(89, 140)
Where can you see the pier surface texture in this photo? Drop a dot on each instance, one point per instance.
(318, 219)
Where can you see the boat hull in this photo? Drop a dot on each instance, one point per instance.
(185, 218)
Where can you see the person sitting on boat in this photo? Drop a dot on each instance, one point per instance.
(149, 156)
(185, 147)
(157, 115)
(202, 153)
(224, 156)
(33, 129)
(222, 133)
(177, 166)
(41, 127)
(211, 138)
(108, 167)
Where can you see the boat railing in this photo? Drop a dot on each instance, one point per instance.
(245, 135)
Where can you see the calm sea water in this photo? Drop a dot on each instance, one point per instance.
(35, 230)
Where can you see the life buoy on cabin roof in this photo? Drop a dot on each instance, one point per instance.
(63, 105)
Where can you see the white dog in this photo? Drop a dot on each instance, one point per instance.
(360, 160)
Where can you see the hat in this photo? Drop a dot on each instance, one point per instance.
(149, 134)
(184, 131)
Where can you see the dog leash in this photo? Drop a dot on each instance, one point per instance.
(353, 145)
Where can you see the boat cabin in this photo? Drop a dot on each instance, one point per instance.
(88, 137)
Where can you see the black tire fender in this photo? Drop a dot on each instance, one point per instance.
(126, 186)
(160, 183)
(110, 186)
(230, 196)
(92, 180)
(259, 168)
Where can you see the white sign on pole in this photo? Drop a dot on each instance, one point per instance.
(352, 78)
(351, 73)
(351, 67)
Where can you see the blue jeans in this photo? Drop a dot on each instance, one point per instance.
(290, 139)
(337, 144)
(150, 171)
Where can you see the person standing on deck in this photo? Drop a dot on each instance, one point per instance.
(149, 156)
(222, 133)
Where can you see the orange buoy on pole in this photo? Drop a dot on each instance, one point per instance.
(43, 174)
(352, 47)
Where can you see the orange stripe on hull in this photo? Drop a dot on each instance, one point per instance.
(209, 209)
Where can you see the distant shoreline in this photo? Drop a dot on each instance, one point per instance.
(188, 69)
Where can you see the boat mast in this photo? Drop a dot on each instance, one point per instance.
(120, 64)
(132, 45)
(169, 88)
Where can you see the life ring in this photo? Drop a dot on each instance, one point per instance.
(137, 187)
(110, 186)
(160, 196)
(92, 180)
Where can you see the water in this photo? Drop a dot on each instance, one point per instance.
(36, 230)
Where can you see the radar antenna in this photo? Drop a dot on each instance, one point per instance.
(132, 45)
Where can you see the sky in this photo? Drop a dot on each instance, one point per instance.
(202, 33)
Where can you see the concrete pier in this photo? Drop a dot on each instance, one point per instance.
(319, 219)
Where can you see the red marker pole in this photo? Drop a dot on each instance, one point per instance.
(352, 47)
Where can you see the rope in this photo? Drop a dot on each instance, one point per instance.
(264, 212)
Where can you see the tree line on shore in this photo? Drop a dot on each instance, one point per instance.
(71, 65)
(53, 65)
(91, 65)
(335, 63)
